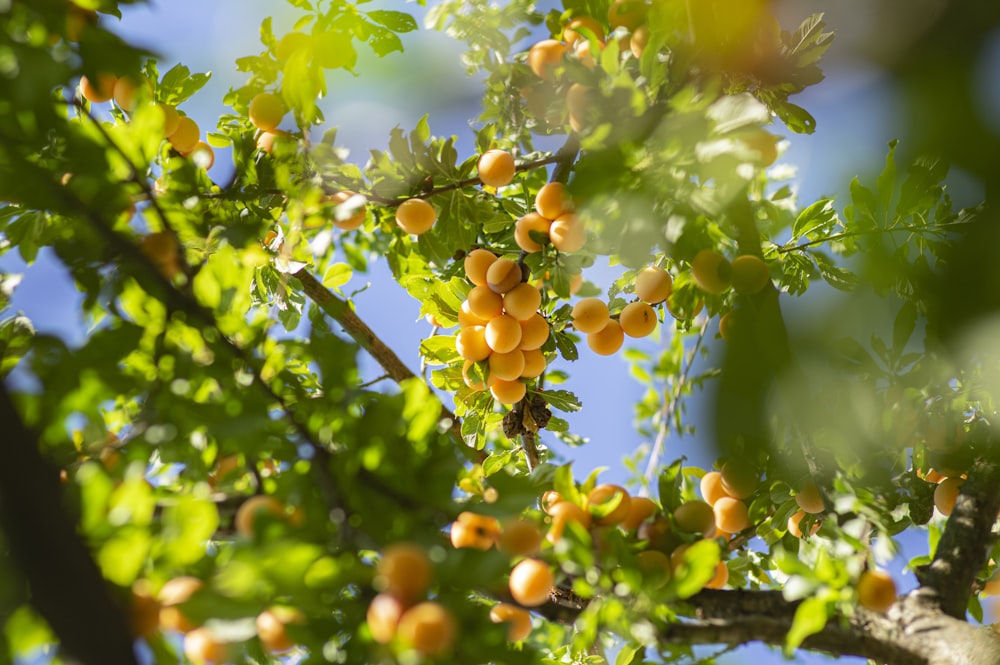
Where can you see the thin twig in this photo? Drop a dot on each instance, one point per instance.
(866, 232)
(669, 411)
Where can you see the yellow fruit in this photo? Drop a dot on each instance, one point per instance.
(530, 582)
(549, 499)
(638, 40)
(289, 44)
(272, 628)
(695, 517)
(98, 90)
(534, 332)
(795, 524)
(477, 263)
(567, 233)
(731, 515)
(749, 274)
(127, 91)
(519, 620)
(522, 301)
(520, 538)
(637, 319)
(507, 366)
(170, 118)
(607, 340)
(590, 315)
(711, 487)
(202, 155)
(711, 271)
(534, 363)
(403, 571)
(428, 628)
(185, 137)
(876, 590)
(720, 578)
(471, 343)
(162, 251)
(946, 494)
(266, 111)
(764, 143)
(727, 325)
(177, 592)
(544, 56)
(653, 285)
(563, 512)
(251, 510)
(415, 216)
(201, 646)
(484, 303)
(383, 617)
(507, 392)
(583, 51)
(523, 228)
(572, 32)
(496, 168)
(605, 494)
(553, 200)
(474, 531)
(347, 219)
(267, 140)
(656, 568)
(640, 509)
(739, 481)
(503, 334)
(466, 318)
(809, 499)
(503, 275)
(627, 13)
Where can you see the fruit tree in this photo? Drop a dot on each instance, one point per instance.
(205, 472)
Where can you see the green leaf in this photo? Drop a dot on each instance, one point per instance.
(16, 334)
(903, 326)
(697, 568)
(810, 618)
(670, 485)
(187, 527)
(497, 461)
(395, 21)
(818, 215)
(561, 399)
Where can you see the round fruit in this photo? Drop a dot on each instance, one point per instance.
(607, 340)
(809, 499)
(695, 517)
(474, 531)
(466, 318)
(503, 275)
(590, 315)
(522, 301)
(534, 332)
(404, 571)
(571, 33)
(202, 155)
(876, 590)
(271, 628)
(711, 271)
(524, 227)
(201, 646)
(638, 40)
(711, 487)
(563, 512)
(606, 494)
(503, 334)
(520, 538)
(655, 567)
(653, 285)
(477, 263)
(251, 509)
(640, 509)
(795, 524)
(720, 578)
(98, 90)
(544, 56)
(185, 137)
(567, 233)
(267, 140)
(484, 303)
(659, 533)
(127, 91)
(534, 363)
(507, 366)
(519, 620)
(549, 499)
(176, 592)
(731, 515)
(383, 617)
(637, 319)
(553, 200)
(289, 44)
(764, 143)
(415, 216)
(946, 494)
(507, 392)
(471, 343)
(739, 481)
(627, 13)
(428, 628)
(530, 582)
(749, 274)
(727, 325)
(496, 168)
(170, 118)
(347, 218)
(266, 111)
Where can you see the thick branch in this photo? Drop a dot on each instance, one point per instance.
(340, 311)
(66, 586)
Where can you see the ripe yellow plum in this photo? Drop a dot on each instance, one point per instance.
(568, 233)
(415, 216)
(289, 44)
(523, 228)
(507, 366)
(809, 498)
(503, 334)
(739, 480)
(272, 630)
(534, 363)
(695, 516)
(266, 111)
(640, 509)
(383, 617)
(185, 137)
(99, 89)
(563, 512)
(507, 392)
(573, 30)
(496, 168)
(946, 494)
(530, 582)
(607, 340)
(518, 620)
(544, 56)
(795, 524)
(638, 40)
(522, 301)
(876, 590)
(637, 319)
(534, 332)
(711, 487)
(503, 275)
(403, 571)
(484, 303)
(711, 271)
(749, 274)
(604, 495)
(653, 285)
(474, 531)
(477, 263)
(590, 315)
(520, 538)
(553, 200)
(466, 318)
(127, 92)
(720, 578)
(428, 628)
(471, 343)
(731, 515)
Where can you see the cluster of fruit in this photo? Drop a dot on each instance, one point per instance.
(499, 324)
(553, 221)
(399, 614)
